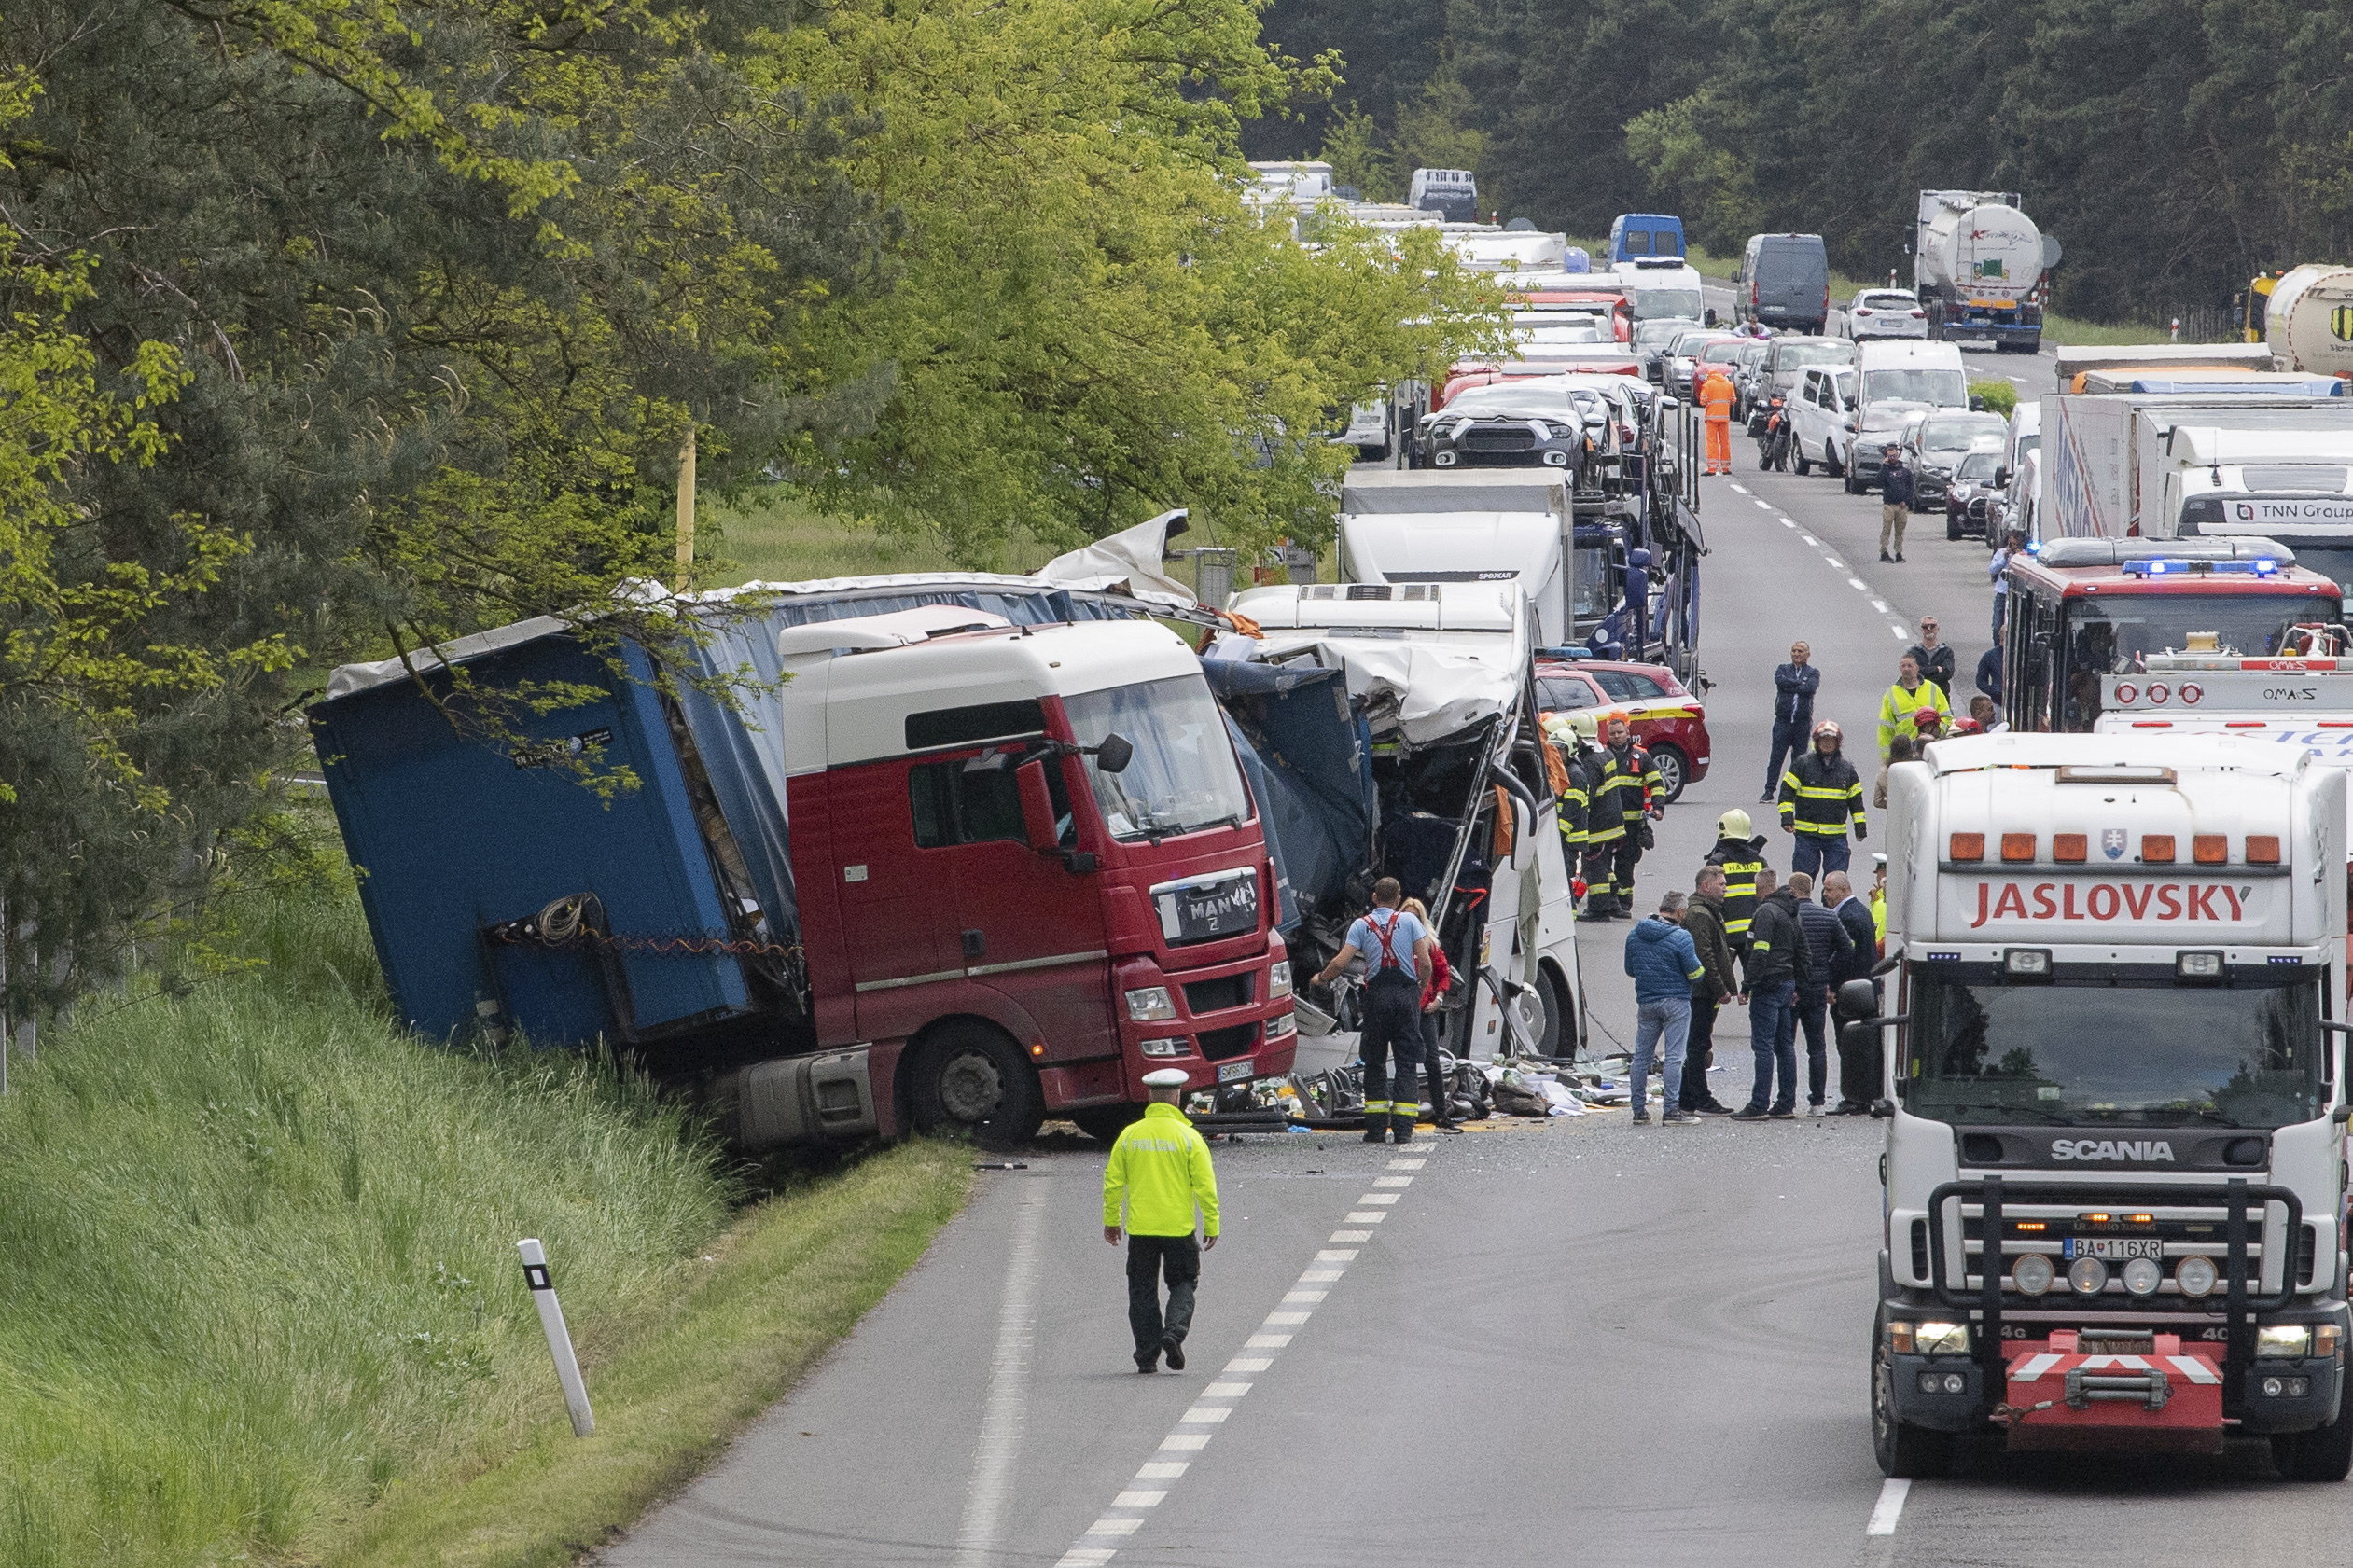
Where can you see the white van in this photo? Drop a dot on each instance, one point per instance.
(1661, 287)
(1453, 192)
(1897, 384)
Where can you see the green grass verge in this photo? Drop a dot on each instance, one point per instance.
(786, 1284)
(774, 535)
(2069, 332)
(261, 1298)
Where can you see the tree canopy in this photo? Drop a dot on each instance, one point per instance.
(341, 327)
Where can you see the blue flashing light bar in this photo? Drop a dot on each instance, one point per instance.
(2258, 566)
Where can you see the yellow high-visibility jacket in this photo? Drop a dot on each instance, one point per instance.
(1161, 1168)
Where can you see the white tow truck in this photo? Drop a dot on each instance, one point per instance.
(2112, 1018)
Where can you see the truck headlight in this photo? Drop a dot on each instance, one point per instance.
(2032, 1274)
(1176, 1045)
(1941, 1339)
(1150, 1004)
(2143, 1275)
(1281, 1028)
(2087, 1276)
(2284, 1338)
(1278, 979)
(2195, 1276)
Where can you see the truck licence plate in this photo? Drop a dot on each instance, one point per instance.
(1235, 1072)
(2114, 1249)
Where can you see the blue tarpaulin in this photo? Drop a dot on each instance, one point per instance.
(1310, 760)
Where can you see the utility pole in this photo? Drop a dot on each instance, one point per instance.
(686, 509)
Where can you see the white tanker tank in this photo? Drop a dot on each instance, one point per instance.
(2309, 324)
(1977, 262)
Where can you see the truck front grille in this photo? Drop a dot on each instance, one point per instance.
(1219, 1044)
(1216, 996)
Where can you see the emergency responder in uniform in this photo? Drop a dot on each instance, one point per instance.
(1572, 801)
(1820, 793)
(1396, 946)
(1717, 394)
(1740, 851)
(1160, 1172)
(1605, 824)
(1641, 800)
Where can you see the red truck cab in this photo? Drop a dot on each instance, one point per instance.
(1029, 869)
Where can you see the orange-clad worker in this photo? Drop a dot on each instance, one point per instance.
(1716, 395)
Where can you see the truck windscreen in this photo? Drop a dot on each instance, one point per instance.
(1651, 302)
(2121, 1053)
(1942, 389)
(1183, 777)
(2114, 636)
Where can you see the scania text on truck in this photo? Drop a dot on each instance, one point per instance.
(2084, 609)
(2113, 1026)
(940, 873)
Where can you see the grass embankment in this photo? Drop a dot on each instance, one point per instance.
(261, 1298)
(774, 536)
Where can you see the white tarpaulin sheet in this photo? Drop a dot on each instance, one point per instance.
(1427, 691)
(1128, 561)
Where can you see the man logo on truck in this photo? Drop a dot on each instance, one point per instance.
(2109, 1148)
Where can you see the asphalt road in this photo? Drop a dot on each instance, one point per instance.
(1570, 1341)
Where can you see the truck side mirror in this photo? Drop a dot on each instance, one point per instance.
(1858, 999)
(1116, 752)
(1038, 808)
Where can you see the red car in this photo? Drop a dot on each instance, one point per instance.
(1669, 721)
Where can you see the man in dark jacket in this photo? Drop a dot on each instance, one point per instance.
(1778, 969)
(1858, 1060)
(1821, 795)
(1828, 946)
(1794, 685)
(1895, 502)
(1704, 918)
(1934, 656)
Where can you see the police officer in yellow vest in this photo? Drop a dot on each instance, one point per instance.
(1160, 1171)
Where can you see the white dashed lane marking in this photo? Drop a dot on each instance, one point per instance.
(1889, 1508)
(1213, 1404)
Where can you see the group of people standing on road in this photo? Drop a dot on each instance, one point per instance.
(1744, 935)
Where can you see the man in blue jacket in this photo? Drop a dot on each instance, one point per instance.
(1794, 685)
(1661, 957)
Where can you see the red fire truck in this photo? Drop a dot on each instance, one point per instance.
(2082, 610)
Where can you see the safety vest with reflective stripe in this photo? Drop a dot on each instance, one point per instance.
(1633, 787)
(1741, 863)
(1821, 795)
(1605, 818)
(1573, 804)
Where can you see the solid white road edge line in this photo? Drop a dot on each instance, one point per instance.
(1006, 1409)
(1889, 1508)
(1328, 1265)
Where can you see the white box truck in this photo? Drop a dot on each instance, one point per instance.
(2112, 1030)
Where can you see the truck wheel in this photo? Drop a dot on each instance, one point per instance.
(1805, 463)
(1904, 1452)
(1105, 1123)
(2324, 1454)
(1830, 464)
(970, 1080)
(1673, 770)
(1557, 1035)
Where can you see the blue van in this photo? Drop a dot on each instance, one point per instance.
(1640, 236)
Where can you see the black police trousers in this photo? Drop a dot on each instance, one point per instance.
(1147, 1258)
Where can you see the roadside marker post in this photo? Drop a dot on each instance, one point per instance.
(567, 1366)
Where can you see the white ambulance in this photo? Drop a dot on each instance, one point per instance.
(2112, 1021)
